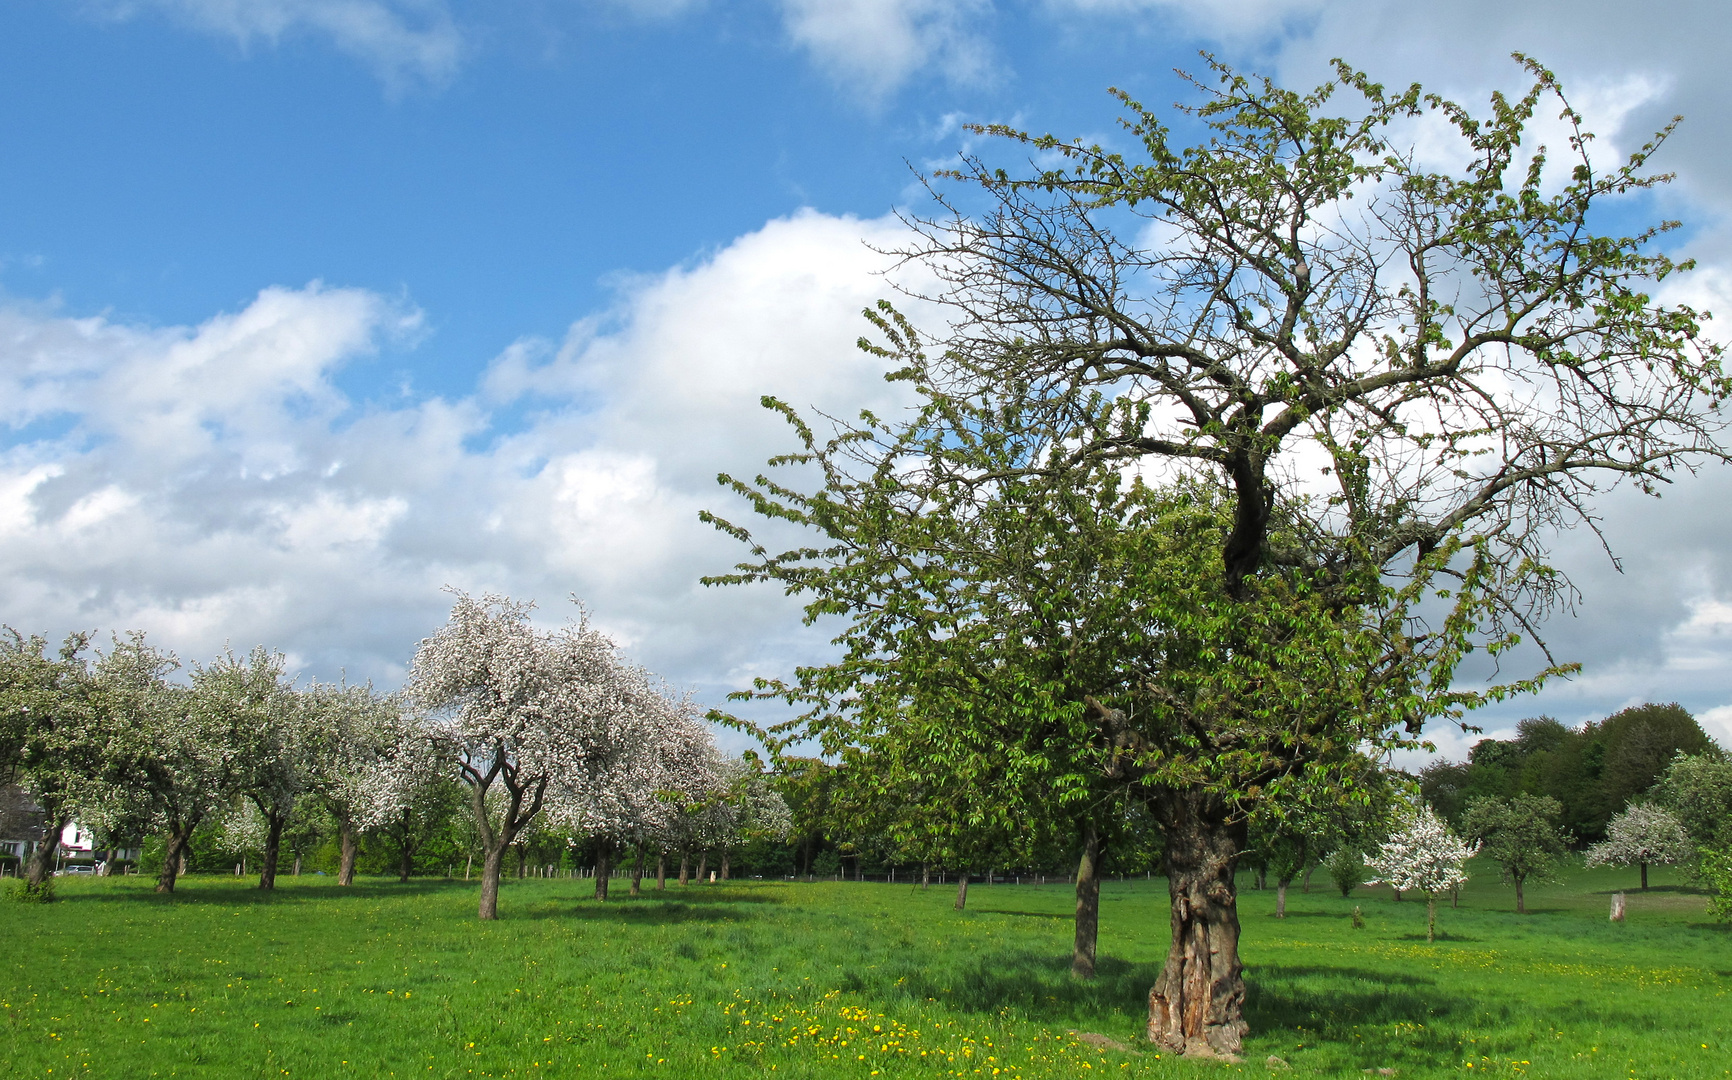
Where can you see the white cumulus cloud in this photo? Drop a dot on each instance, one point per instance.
(874, 46)
(212, 484)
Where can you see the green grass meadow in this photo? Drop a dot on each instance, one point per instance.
(838, 980)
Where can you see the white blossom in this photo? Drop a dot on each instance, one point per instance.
(555, 721)
(1421, 856)
(1643, 834)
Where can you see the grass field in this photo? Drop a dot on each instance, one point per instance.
(837, 980)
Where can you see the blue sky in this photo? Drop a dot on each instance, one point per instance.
(310, 307)
(160, 170)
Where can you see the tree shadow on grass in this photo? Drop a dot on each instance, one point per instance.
(1035, 985)
(195, 891)
(638, 914)
(1284, 998)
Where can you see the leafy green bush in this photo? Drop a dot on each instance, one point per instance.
(1716, 871)
(1347, 869)
(25, 892)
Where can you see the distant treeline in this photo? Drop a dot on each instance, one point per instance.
(1593, 771)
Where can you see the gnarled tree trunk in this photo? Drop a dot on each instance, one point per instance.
(41, 864)
(1197, 1005)
(174, 856)
(1088, 905)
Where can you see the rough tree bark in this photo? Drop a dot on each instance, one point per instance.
(1196, 1006)
(637, 873)
(492, 864)
(174, 856)
(1088, 905)
(703, 865)
(603, 867)
(925, 875)
(961, 889)
(273, 848)
(661, 871)
(41, 864)
(349, 845)
(685, 867)
(725, 854)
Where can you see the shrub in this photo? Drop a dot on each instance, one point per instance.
(27, 893)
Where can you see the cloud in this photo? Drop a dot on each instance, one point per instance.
(404, 41)
(874, 46)
(1656, 630)
(212, 484)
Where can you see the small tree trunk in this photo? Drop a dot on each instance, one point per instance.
(1644, 877)
(1431, 915)
(661, 871)
(522, 860)
(703, 865)
(925, 875)
(637, 873)
(685, 865)
(1521, 901)
(725, 854)
(1305, 885)
(961, 890)
(603, 868)
(173, 858)
(273, 848)
(350, 847)
(1088, 905)
(1197, 1005)
(297, 866)
(1281, 897)
(492, 865)
(41, 863)
(1398, 896)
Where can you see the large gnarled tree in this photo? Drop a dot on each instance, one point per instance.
(1393, 380)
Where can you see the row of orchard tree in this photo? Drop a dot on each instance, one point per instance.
(550, 731)
(1681, 814)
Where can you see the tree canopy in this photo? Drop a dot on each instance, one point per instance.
(1361, 392)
